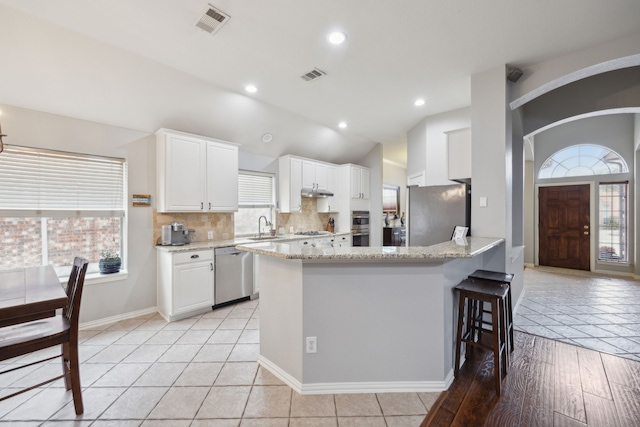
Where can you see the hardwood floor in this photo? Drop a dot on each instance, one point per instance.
(549, 383)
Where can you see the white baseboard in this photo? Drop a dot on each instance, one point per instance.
(119, 317)
(520, 298)
(356, 387)
(280, 374)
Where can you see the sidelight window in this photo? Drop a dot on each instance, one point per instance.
(612, 223)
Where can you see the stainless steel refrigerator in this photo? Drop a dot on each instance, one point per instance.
(434, 211)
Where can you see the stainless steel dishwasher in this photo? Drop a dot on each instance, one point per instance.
(233, 275)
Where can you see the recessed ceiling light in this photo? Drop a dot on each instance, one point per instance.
(419, 102)
(342, 125)
(251, 88)
(267, 137)
(337, 37)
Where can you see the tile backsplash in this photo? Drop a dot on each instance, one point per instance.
(222, 223)
(307, 220)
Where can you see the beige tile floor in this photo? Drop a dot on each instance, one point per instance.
(580, 308)
(200, 371)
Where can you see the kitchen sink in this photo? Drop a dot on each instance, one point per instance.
(264, 238)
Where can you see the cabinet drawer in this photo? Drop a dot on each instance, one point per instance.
(193, 256)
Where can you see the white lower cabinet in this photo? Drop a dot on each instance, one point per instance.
(185, 283)
(342, 241)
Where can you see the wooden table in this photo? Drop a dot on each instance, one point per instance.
(29, 293)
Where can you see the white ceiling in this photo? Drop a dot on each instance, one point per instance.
(395, 51)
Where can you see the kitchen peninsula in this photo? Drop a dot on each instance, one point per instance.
(363, 319)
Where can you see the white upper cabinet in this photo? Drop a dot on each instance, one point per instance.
(222, 177)
(359, 182)
(195, 173)
(314, 175)
(330, 204)
(289, 184)
(459, 154)
(296, 173)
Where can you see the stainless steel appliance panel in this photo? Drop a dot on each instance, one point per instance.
(233, 275)
(360, 228)
(360, 239)
(433, 212)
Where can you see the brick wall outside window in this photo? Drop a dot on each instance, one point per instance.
(65, 237)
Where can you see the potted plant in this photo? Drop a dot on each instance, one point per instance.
(272, 231)
(109, 262)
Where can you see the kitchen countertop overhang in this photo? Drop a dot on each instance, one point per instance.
(469, 248)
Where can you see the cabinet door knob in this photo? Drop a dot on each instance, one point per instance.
(195, 256)
(586, 233)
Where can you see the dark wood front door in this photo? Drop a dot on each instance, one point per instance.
(564, 227)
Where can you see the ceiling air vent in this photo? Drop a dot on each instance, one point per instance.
(314, 74)
(212, 20)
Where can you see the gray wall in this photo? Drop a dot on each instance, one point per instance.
(612, 131)
(529, 210)
(42, 130)
(613, 90)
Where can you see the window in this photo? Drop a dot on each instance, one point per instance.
(56, 205)
(256, 197)
(582, 160)
(612, 223)
(390, 199)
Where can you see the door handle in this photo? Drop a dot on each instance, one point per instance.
(195, 256)
(202, 205)
(209, 205)
(211, 264)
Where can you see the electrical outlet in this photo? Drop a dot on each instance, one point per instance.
(291, 230)
(210, 235)
(312, 344)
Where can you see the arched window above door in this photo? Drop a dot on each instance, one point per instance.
(582, 160)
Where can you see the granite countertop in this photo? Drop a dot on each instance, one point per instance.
(213, 244)
(468, 248)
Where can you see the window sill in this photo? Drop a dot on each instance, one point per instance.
(95, 278)
(621, 263)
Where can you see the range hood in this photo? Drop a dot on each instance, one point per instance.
(310, 192)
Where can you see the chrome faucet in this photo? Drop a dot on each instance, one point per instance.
(259, 229)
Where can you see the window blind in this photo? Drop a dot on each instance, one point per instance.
(255, 190)
(53, 183)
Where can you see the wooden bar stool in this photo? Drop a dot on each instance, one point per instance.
(471, 292)
(506, 278)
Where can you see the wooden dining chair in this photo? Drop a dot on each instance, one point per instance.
(25, 338)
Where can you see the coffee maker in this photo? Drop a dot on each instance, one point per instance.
(175, 234)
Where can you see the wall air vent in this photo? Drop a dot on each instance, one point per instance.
(212, 20)
(312, 75)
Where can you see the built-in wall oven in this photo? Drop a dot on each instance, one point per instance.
(360, 228)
